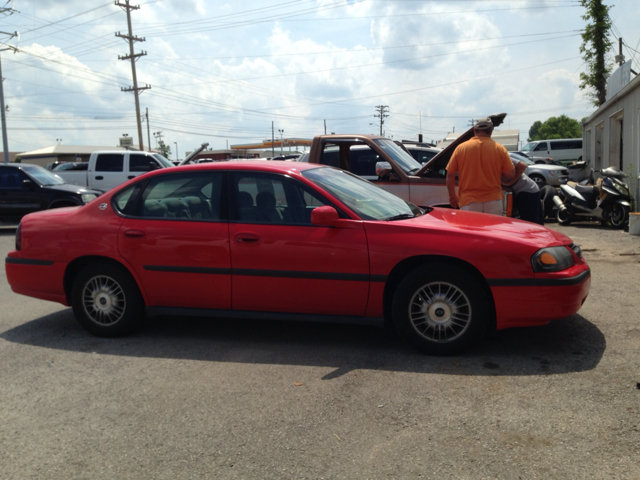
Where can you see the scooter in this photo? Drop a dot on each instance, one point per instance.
(609, 202)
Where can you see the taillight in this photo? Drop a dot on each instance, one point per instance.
(19, 237)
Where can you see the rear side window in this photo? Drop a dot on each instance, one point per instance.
(142, 163)
(185, 196)
(110, 162)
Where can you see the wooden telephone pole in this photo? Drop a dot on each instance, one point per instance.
(135, 89)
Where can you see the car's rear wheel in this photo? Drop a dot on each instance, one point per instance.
(440, 309)
(106, 300)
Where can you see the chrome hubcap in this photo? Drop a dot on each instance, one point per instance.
(103, 300)
(440, 312)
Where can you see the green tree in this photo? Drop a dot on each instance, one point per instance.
(555, 127)
(533, 131)
(595, 44)
(165, 150)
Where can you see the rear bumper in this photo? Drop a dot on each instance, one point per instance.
(43, 279)
(540, 301)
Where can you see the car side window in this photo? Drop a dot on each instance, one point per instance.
(195, 196)
(272, 199)
(142, 163)
(541, 146)
(10, 178)
(110, 162)
(330, 156)
(363, 162)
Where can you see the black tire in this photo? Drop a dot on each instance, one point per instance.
(618, 216)
(540, 181)
(441, 309)
(563, 216)
(106, 300)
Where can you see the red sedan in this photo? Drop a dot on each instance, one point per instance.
(281, 240)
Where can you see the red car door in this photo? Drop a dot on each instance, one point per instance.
(177, 240)
(283, 263)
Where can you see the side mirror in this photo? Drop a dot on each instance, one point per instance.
(27, 183)
(325, 216)
(384, 171)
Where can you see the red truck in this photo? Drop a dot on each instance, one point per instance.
(390, 166)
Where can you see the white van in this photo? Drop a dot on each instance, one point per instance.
(566, 150)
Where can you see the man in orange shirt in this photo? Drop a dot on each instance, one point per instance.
(481, 165)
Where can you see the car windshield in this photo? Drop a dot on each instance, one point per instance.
(162, 160)
(528, 147)
(42, 176)
(522, 158)
(363, 197)
(404, 160)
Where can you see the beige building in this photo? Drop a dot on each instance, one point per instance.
(611, 135)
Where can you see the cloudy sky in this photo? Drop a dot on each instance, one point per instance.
(224, 72)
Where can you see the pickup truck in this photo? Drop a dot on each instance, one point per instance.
(390, 166)
(109, 168)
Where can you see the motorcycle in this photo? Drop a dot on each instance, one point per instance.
(609, 202)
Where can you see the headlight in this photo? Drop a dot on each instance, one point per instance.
(87, 197)
(552, 259)
(621, 188)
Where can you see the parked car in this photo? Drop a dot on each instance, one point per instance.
(26, 188)
(107, 169)
(565, 150)
(422, 154)
(281, 240)
(543, 160)
(553, 175)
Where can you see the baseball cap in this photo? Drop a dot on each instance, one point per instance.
(484, 123)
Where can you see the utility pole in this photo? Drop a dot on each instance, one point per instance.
(273, 141)
(5, 141)
(135, 89)
(148, 132)
(382, 114)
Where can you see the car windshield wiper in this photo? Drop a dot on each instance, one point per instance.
(400, 217)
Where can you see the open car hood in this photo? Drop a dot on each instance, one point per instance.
(440, 161)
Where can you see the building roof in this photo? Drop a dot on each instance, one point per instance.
(66, 150)
(508, 138)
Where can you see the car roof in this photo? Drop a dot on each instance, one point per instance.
(265, 166)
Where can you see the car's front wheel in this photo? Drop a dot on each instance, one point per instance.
(440, 309)
(539, 179)
(106, 300)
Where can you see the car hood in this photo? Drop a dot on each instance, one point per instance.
(441, 159)
(492, 227)
(539, 166)
(65, 187)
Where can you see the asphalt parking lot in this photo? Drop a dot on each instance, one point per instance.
(194, 398)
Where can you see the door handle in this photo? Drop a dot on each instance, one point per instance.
(134, 232)
(99, 178)
(246, 238)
